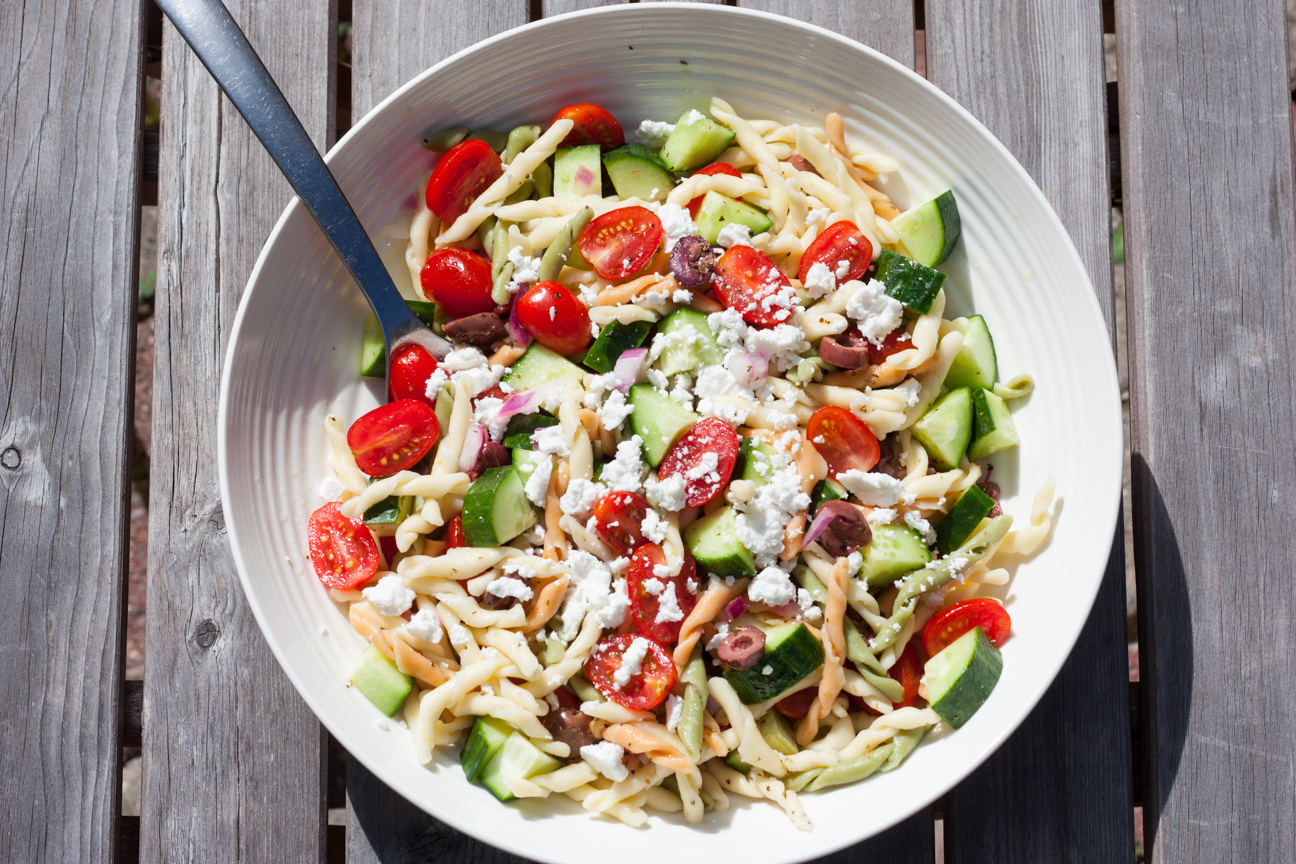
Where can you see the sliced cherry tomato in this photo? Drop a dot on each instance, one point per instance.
(844, 440)
(342, 550)
(896, 340)
(463, 173)
(908, 670)
(621, 242)
(646, 607)
(454, 536)
(647, 688)
(555, 317)
(840, 241)
(393, 437)
(952, 622)
(618, 519)
(593, 125)
(750, 282)
(691, 457)
(798, 704)
(410, 370)
(459, 280)
(713, 168)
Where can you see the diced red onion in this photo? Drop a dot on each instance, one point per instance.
(474, 440)
(747, 367)
(515, 329)
(788, 610)
(736, 608)
(521, 402)
(817, 526)
(629, 368)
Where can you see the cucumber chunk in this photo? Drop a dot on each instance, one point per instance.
(539, 366)
(522, 426)
(694, 142)
(975, 364)
(578, 172)
(776, 731)
(718, 210)
(373, 350)
(713, 540)
(946, 429)
(960, 678)
(484, 741)
(930, 230)
(995, 430)
(517, 759)
(637, 172)
(825, 490)
(791, 653)
(736, 763)
(496, 508)
(392, 510)
(896, 550)
(913, 284)
(379, 681)
(613, 341)
(658, 420)
(688, 354)
(962, 520)
(757, 459)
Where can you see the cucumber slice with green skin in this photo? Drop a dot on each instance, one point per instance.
(913, 284)
(960, 678)
(737, 764)
(539, 366)
(496, 508)
(691, 353)
(658, 420)
(522, 426)
(484, 742)
(613, 341)
(379, 681)
(930, 230)
(518, 759)
(894, 551)
(694, 142)
(637, 172)
(373, 350)
(975, 364)
(713, 540)
(392, 510)
(444, 407)
(791, 653)
(777, 733)
(963, 519)
(995, 430)
(946, 429)
(583, 689)
(718, 211)
(825, 490)
(757, 459)
(578, 172)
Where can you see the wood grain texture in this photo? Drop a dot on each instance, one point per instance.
(1059, 789)
(549, 8)
(887, 26)
(69, 169)
(233, 759)
(1206, 139)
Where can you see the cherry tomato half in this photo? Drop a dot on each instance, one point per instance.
(840, 241)
(798, 704)
(393, 437)
(410, 370)
(843, 440)
(618, 519)
(896, 341)
(646, 689)
(621, 242)
(593, 125)
(555, 317)
(646, 607)
(342, 550)
(952, 622)
(750, 282)
(908, 670)
(463, 173)
(454, 536)
(690, 457)
(713, 168)
(459, 280)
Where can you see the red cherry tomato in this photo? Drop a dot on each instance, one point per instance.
(908, 670)
(843, 440)
(621, 242)
(952, 622)
(593, 125)
(342, 550)
(454, 537)
(463, 173)
(555, 317)
(387, 545)
(393, 437)
(459, 280)
(410, 370)
(896, 340)
(798, 704)
(618, 519)
(750, 282)
(702, 482)
(713, 168)
(645, 606)
(840, 241)
(646, 689)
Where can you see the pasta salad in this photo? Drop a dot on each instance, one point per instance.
(699, 505)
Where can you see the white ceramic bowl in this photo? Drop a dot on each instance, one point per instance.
(293, 356)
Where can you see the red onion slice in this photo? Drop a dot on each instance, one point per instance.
(474, 439)
(629, 368)
(817, 526)
(515, 329)
(521, 402)
(748, 367)
(736, 608)
(788, 610)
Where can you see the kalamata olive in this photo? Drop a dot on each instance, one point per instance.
(482, 329)
(571, 727)
(492, 455)
(888, 463)
(801, 163)
(991, 488)
(847, 531)
(848, 350)
(742, 648)
(691, 261)
(494, 602)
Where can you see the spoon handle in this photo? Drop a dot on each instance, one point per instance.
(216, 38)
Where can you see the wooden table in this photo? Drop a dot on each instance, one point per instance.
(236, 767)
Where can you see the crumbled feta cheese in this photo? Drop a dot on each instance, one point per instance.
(605, 758)
(820, 215)
(716, 389)
(819, 280)
(435, 382)
(915, 521)
(580, 497)
(909, 389)
(507, 586)
(729, 328)
(682, 296)
(655, 586)
(682, 392)
(687, 336)
(772, 587)
(653, 133)
(525, 268)
(767, 669)
(653, 526)
(667, 494)
(854, 561)
(693, 117)
(843, 267)
(782, 343)
(809, 611)
(487, 414)
(459, 635)
(657, 378)
(734, 234)
(391, 596)
(631, 662)
(425, 625)
(877, 312)
(625, 472)
(674, 707)
(331, 489)
(676, 223)
(614, 610)
(619, 565)
(464, 359)
(879, 490)
(550, 441)
(591, 583)
(707, 464)
(765, 515)
(537, 484)
(722, 630)
(669, 609)
(614, 410)
(882, 516)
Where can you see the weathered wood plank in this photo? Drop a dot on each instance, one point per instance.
(887, 27)
(233, 759)
(549, 8)
(1206, 139)
(1060, 788)
(69, 172)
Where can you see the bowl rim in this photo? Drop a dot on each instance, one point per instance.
(1108, 372)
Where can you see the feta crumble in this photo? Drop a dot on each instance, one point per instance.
(879, 490)
(631, 662)
(614, 410)
(605, 758)
(331, 489)
(653, 526)
(625, 472)
(653, 133)
(772, 586)
(734, 234)
(674, 708)
(819, 280)
(915, 521)
(882, 516)
(580, 496)
(487, 415)
(538, 483)
(507, 586)
(677, 224)
(425, 625)
(877, 312)
(668, 609)
(550, 441)
(391, 596)
(667, 494)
